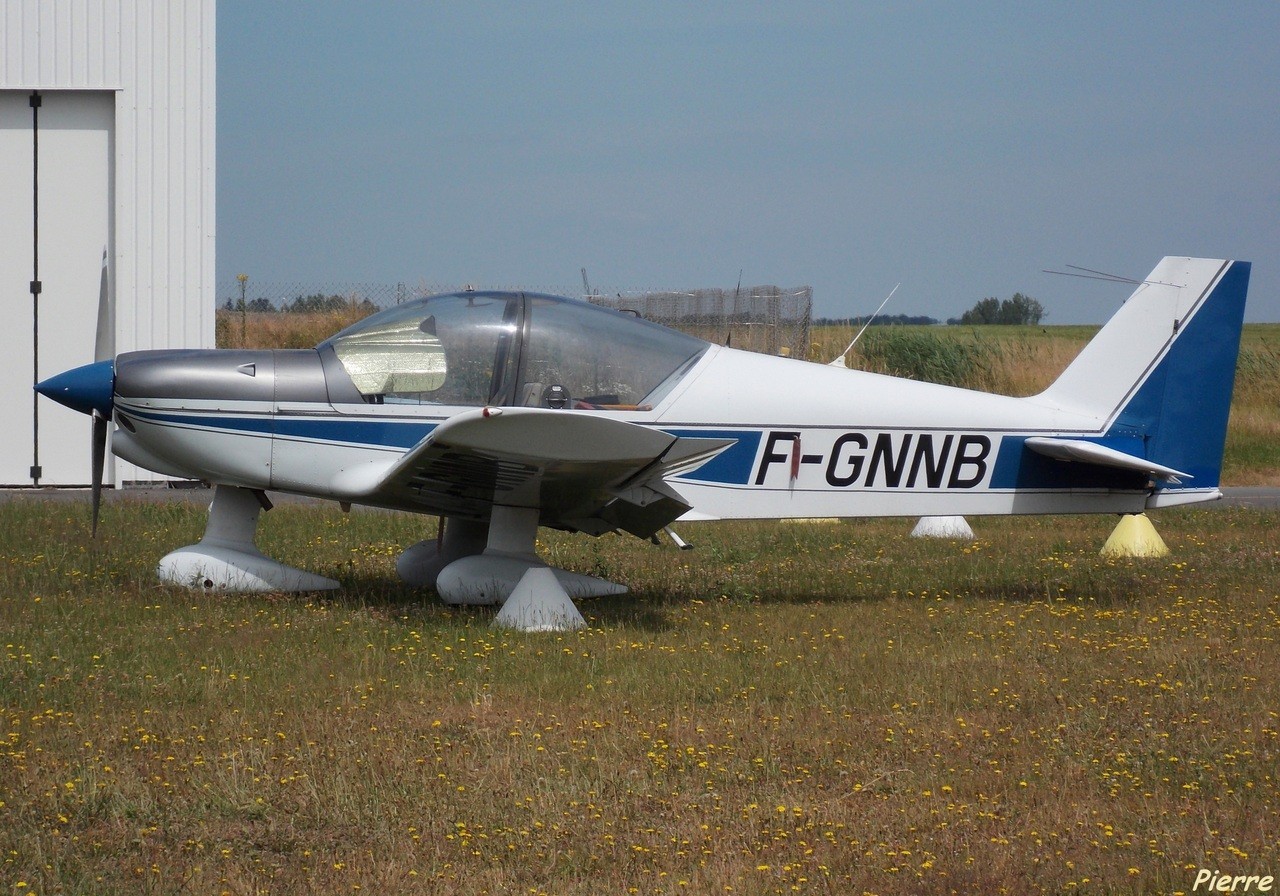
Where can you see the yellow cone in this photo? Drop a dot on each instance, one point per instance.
(1134, 536)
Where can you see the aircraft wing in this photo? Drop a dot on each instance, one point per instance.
(583, 471)
(1081, 451)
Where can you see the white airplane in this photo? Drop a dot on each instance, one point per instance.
(502, 412)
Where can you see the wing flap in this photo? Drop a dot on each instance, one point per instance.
(581, 470)
(1081, 451)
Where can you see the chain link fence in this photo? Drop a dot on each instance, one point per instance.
(767, 319)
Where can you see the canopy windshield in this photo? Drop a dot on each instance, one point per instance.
(483, 348)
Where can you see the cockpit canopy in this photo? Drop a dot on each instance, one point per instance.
(497, 348)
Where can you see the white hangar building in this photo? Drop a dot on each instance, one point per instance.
(106, 153)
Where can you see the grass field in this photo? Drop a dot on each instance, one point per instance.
(788, 708)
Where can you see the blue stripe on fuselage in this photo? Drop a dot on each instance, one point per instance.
(389, 433)
(732, 466)
(380, 433)
(1015, 466)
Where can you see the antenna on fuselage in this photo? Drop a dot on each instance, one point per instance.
(1090, 274)
(839, 362)
(737, 290)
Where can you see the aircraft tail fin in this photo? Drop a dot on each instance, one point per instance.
(1163, 368)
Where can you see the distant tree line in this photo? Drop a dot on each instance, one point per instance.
(312, 304)
(882, 321)
(1018, 310)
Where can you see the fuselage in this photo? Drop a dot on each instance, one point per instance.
(808, 440)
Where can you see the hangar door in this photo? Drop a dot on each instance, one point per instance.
(56, 201)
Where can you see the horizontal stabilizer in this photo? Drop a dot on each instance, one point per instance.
(1080, 451)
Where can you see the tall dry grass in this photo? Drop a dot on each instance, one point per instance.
(253, 329)
(1253, 439)
(1006, 360)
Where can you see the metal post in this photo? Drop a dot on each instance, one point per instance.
(244, 310)
(35, 100)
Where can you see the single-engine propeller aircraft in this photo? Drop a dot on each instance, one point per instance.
(501, 412)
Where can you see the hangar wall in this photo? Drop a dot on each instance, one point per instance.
(134, 80)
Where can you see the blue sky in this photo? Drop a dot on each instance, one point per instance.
(954, 149)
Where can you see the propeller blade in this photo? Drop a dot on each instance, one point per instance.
(99, 461)
(104, 344)
(104, 349)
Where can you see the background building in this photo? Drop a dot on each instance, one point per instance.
(106, 146)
